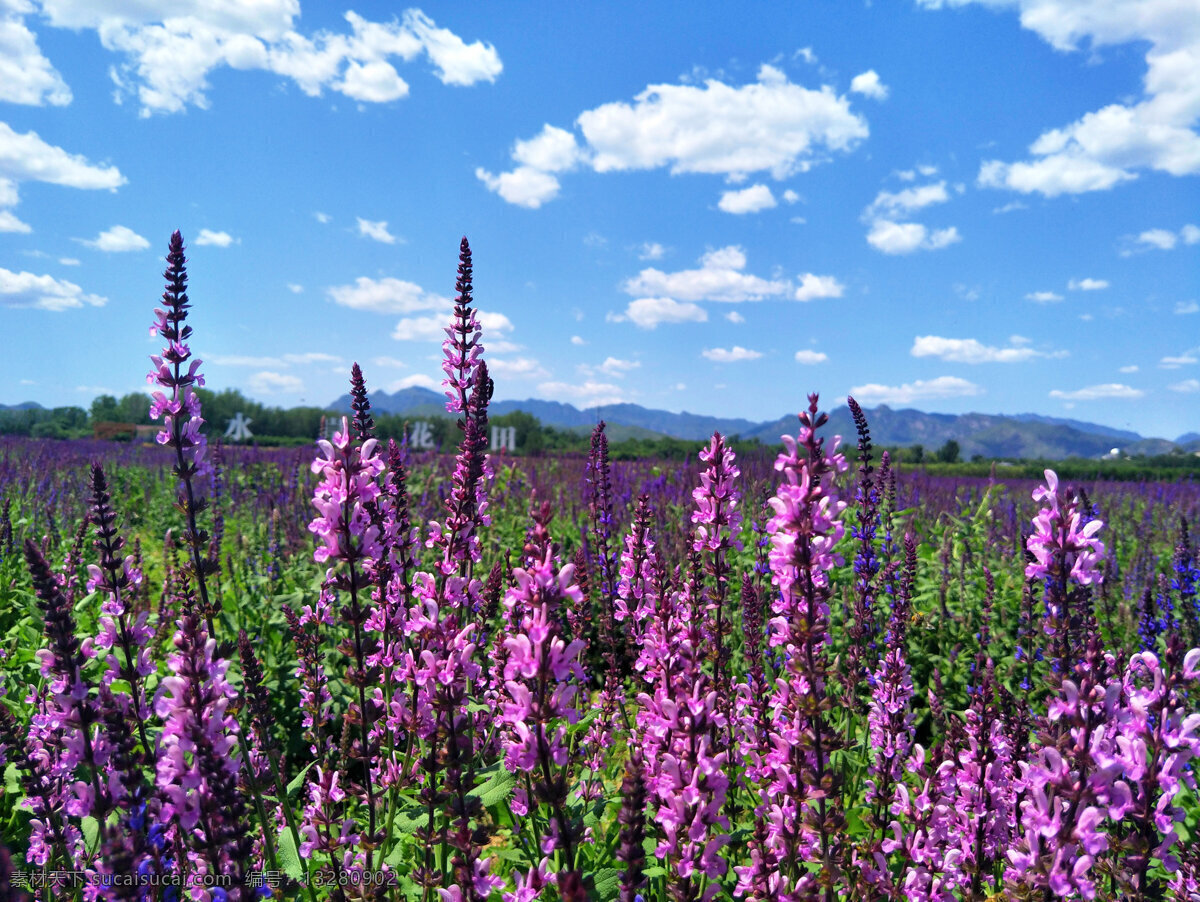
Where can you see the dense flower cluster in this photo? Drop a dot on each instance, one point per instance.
(650, 694)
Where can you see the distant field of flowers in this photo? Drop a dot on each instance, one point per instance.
(357, 671)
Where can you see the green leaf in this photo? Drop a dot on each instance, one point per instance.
(12, 780)
(289, 857)
(91, 833)
(607, 881)
(298, 780)
(496, 789)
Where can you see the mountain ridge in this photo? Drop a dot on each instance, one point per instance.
(1027, 435)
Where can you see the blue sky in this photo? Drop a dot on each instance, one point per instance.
(950, 205)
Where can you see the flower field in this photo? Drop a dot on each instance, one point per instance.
(357, 671)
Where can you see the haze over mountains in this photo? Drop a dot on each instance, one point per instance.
(1025, 435)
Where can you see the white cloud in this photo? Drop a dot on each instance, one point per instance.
(730, 355)
(734, 317)
(517, 368)
(118, 239)
(310, 357)
(648, 313)
(376, 231)
(323, 218)
(416, 380)
(1098, 392)
(651, 250)
(1011, 206)
(1115, 143)
(1132, 368)
(68, 261)
(167, 61)
(719, 278)
(1190, 234)
(389, 362)
(268, 382)
(1187, 386)
(27, 158)
(586, 394)
(577, 340)
(215, 239)
(387, 295)
(919, 390)
(1087, 285)
(1159, 238)
(894, 204)
(811, 358)
(1043, 297)
(969, 350)
(748, 200)
(769, 126)
(813, 286)
(301, 359)
(892, 237)
(524, 186)
(553, 149)
(432, 328)
(1187, 358)
(906, 237)
(295, 288)
(10, 223)
(371, 82)
(868, 84)
(24, 289)
(614, 366)
(790, 196)
(1185, 307)
(26, 76)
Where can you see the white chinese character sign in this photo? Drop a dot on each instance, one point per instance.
(421, 437)
(504, 438)
(238, 429)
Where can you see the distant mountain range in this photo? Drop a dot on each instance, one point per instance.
(24, 405)
(1026, 435)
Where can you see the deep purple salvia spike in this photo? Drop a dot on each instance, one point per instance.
(866, 561)
(363, 423)
(632, 821)
(461, 348)
(179, 406)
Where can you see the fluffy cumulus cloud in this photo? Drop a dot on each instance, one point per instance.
(1106, 391)
(811, 358)
(589, 393)
(433, 328)
(1087, 284)
(25, 157)
(970, 350)
(214, 239)
(868, 84)
(747, 200)
(386, 295)
(26, 76)
(920, 390)
(1114, 144)
(889, 234)
(1174, 362)
(721, 277)
(649, 313)
(651, 250)
(1160, 239)
(768, 126)
(166, 61)
(615, 366)
(812, 287)
(906, 237)
(118, 239)
(1187, 386)
(24, 289)
(730, 355)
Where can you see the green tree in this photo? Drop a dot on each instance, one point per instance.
(949, 452)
